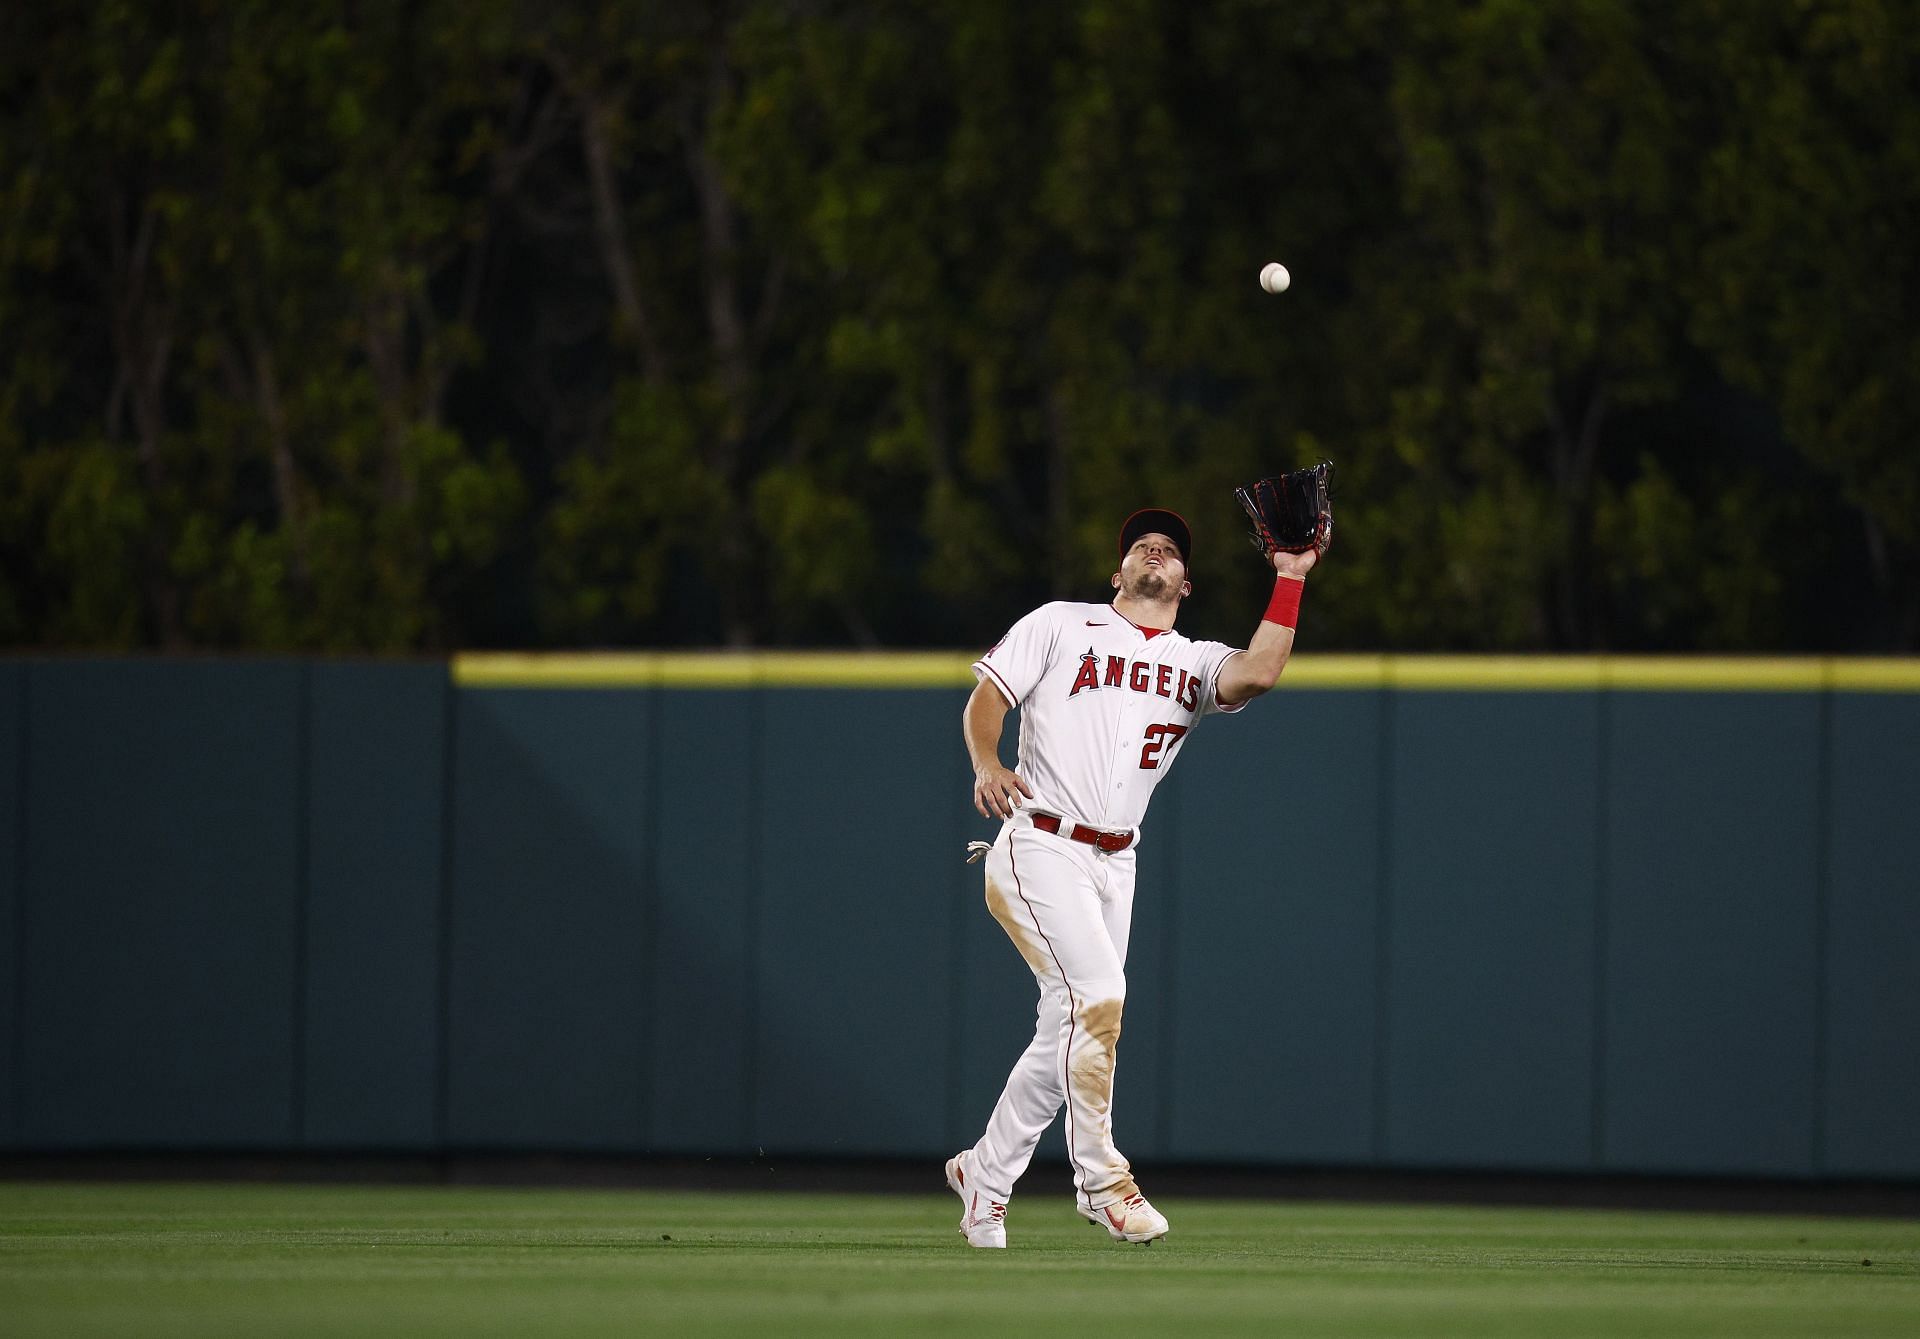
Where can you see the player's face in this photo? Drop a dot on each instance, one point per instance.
(1153, 569)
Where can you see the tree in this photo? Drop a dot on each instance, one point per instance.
(1528, 301)
(227, 220)
(97, 157)
(682, 455)
(1808, 284)
(805, 321)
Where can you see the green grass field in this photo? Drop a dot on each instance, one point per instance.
(136, 1260)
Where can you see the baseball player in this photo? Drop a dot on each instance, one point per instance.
(1107, 695)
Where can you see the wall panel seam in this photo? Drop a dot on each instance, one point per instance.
(302, 894)
(443, 915)
(1822, 912)
(22, 839)
(750, 928)
(1168, 983)
(956, 995)
(650, 997)
(1602, 891)
(1383, 935)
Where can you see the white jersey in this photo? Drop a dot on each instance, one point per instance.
(1104, 706)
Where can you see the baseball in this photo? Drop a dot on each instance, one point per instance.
(1274, 277)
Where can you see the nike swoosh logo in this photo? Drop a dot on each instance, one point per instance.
(1092, 624)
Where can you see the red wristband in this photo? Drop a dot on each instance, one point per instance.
(1284, 607)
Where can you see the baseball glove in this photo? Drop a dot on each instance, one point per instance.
(1291, 513)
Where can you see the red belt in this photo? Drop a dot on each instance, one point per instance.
(1094, 837)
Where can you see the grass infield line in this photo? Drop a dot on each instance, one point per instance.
(1441, 673)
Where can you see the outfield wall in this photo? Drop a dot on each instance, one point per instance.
(1549, 914)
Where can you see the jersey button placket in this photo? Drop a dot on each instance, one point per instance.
(1127, 757)
(1121, 724)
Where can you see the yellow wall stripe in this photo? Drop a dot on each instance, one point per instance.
(716, 669)
(949, 669)
(1876, 676)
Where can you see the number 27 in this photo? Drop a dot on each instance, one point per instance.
(1158, 737)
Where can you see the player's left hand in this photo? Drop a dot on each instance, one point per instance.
(1295, 564)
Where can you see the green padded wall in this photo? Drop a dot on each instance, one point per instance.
(1494, 890)
(707, 895)
(351, 906)
(163, 882)
(1870, 1115)
(1143, 1082)
(860, 821)
(376, 788)
(547, 956)
(1276, 957)
(13, 778)
(1711, 863)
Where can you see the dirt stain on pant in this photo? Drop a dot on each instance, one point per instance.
(1091, 1070)
(1017, 931)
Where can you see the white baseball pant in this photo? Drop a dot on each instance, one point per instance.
(1068, 908)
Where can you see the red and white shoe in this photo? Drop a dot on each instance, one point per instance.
(1129, 1219)
(983, 1222)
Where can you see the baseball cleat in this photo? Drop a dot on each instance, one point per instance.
(1129, 1219)
(983, 1222)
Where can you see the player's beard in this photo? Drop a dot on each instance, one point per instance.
(1152, 585)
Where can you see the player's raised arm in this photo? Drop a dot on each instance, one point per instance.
(996, 788)
(1257, 668)
(1292, 517)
